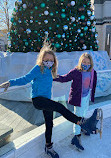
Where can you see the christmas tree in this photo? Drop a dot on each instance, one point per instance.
(69, 25)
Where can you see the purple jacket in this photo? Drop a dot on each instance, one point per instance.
(76, 85)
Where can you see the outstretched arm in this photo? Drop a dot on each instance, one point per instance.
(65, 78)
(22, 80)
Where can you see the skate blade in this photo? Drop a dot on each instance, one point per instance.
(76, 148)
(101, 122)
(100, 132)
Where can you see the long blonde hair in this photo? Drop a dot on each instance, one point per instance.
(85, 55)
(46, 49)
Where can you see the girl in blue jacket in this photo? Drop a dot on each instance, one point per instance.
(41, 77)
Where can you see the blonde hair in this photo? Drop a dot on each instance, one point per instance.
(85, 55)
(46, 49)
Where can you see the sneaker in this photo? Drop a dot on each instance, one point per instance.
(77, 143)
(50, 151)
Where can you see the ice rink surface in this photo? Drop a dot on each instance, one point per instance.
(94, 146)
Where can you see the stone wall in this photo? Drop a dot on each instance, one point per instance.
(18, 64)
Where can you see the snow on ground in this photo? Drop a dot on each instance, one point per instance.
(94, 146)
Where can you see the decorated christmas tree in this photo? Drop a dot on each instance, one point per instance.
(69, 25)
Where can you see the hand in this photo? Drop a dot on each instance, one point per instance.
(5, 85)
(78, 122)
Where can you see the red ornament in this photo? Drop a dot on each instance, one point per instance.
(84, 23)
(38, 48)
(68, 4)
(56, 2)
(82, 41)
(52, 40)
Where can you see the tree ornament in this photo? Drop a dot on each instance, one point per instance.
(36, 7)
(85, 28)
(84, 47)
(84, 23)
(21, 29)
(94, 22)
(82, 17)
(12, 19)
(46, 12)
(69, 4)
(46, 21)
(88, 12)
(97, 41)
(51, 14)
(58, 36)
(73, 19)
(42, 5)
(63, 10)
(31, 5)
(56, 2)
(57, 45)
(96, 35)
(52, 40)
(82, 41)
(80, 9)
(31, 21)
(26, 43)
(19, 1)
(72, 3)
(92, 17)
(63, 36)
(63, 15)
(28, 31)
(93, 29)
(81, 34)
(31, 17)
(24, 6)
(79, 30)
(65, 27)
(31, 12)
(14, 23)
(35, 31)
(88, 23)
(50, 28)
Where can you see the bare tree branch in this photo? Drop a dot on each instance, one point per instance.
(5, 5)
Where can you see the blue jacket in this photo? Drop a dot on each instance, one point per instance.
(41, 82)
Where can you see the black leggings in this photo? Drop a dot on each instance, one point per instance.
(48, 106)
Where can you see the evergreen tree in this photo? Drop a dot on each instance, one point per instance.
(70, 25)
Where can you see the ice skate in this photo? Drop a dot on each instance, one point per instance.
(77, 143)
(89, 126)
(50, 152)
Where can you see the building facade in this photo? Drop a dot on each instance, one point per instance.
(102, 11)
(3, 40)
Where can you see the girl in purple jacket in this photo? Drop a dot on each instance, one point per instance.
(84, 79)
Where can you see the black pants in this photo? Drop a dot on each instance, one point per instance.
(48, 106)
